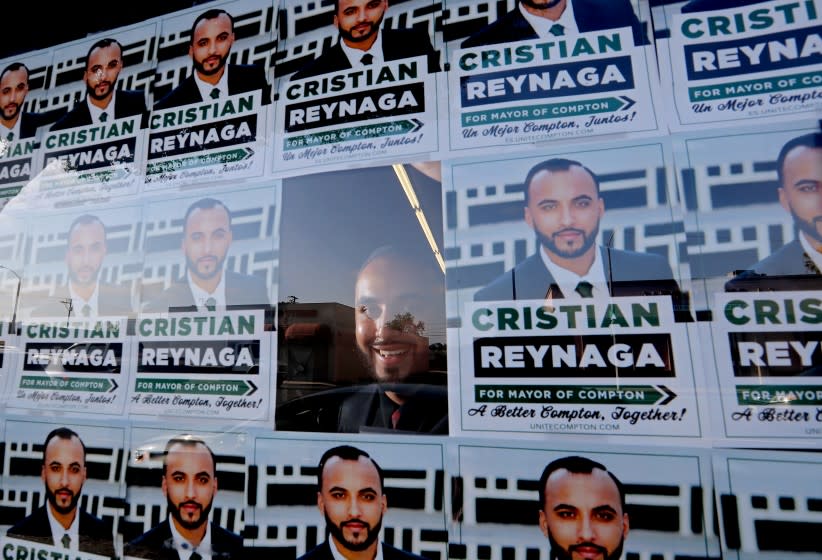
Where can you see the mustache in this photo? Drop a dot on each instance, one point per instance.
(601, 549)
(355, 522)
(181, 505)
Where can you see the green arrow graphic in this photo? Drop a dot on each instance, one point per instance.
(753, 87)
(365, 132)
(547, 111)
(574, 394)
(94, 385)
(194, 386)
(202, 160)
(779, 394)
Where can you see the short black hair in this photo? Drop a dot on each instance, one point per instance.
(553, 166)
(101, 44)
(346, 453)
(62, 433)
(811, 140)
(205, 204)
(576, 465)
(84, 220)
(214, 13)
(188, 441)
(13, 67)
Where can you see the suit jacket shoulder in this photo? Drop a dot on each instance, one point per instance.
(789, 268)
(715, 5)
(527, 280)
(243, 78)
(241, 292)
(507, 29)
(30, 122)
(184, 94)
(155, 544)
(332, 59)
(129, 103)
(95, 534)
(79, 115)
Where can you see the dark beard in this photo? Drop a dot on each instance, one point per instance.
(559, 553)
(198, 66)
(809, 228)
(184, 523)
(93, 94)
(587, 243)
(52, 499)
(337, 533)
(533, 4)
(218, 269)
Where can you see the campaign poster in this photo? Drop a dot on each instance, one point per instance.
(12, 273)
(95, 150)
(211, 95)
(361, 324)
(745, 230)
(726, 65)
(769, 364)
(765, 513)
(204, 336)
(76, 471)
(162, 469)
(589, 72)
(563, 297)
(82, 273)
(22, 89)
(351, 90)
(406, 511)
(525, 502)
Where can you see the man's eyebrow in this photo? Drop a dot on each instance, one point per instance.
(606, 507)
(803, 182)
(369, 490)
(584, 197)
(564, 506)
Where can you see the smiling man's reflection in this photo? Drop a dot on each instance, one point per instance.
(393, 292)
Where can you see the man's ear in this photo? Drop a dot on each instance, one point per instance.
(543, 523)
(320, 504)
(165, 487)
(625, 525)
(528, 218)
(384, 501)
(783, 199)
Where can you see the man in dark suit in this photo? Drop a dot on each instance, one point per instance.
(14, 123)
(582, 510)
(535, 19)
(364, 43)
(86, 249)
(60, 522)
(350, 496)
(189, 485)
(212, 36)
(393, 293)
(563, 206)
(716, 5)
(103, 102)
(797, 265)
(206, 286)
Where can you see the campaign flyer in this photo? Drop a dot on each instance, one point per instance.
(618, 367)
(577, 85)
(522, 501)
(743, 63)
(72, 365)
(769, 364)
(284, 510)
(211, 97)
(78, 467)
(348, 104)
(764, 512)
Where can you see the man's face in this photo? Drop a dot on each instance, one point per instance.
(801, 191)
(564, 210)
(85, 254)
(189, 484)
(63, 472)
(104, 65)
(206, 240)
(582, 516)
(211, 45)
(14, 86)
(359, 20)
(389, 298)
(352, 502)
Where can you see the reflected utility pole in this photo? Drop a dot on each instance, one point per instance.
(13, 325)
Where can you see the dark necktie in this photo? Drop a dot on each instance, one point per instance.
(10, 136)
(585, 289)
(215, 93)
(557, 30)
(103, 117)
(66, 540)
(195, 556)
(211, 304)
(86, 311)
(367, 59)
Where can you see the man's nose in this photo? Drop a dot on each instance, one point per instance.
(585, 530)
(354, 508)
(566, 215)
